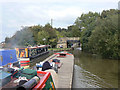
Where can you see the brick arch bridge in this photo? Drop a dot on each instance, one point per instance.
(63, 42)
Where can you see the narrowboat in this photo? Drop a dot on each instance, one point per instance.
(57, 62)
(62, 54)
(28, 79)
(16, 77)
(7, 56)
(31, 52)
(54, 63)
(61, 68)
(45, 65)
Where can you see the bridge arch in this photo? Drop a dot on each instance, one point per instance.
(67, 42)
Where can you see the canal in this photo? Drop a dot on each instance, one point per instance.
(90, 71)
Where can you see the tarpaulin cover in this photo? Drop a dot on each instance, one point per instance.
(28, 73)
(4, 78)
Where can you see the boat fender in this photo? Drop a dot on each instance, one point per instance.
(22, 82)
(30, 84)
(56, 68)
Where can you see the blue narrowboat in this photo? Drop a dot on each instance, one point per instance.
(7, 56)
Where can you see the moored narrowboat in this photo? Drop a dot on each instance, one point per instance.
(7, 56)
(54, 62)
(62, 54)
(64, 72)
(16, 77)
(29, 79)
(31, 52)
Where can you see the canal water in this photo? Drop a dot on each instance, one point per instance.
(90, 71)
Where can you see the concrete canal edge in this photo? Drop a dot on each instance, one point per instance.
(65, 72)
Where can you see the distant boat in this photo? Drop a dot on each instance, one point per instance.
(31, 52)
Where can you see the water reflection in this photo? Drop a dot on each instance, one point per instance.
(90, 71)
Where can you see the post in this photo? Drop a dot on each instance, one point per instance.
(51, 22)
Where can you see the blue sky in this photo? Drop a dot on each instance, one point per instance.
(17, 13)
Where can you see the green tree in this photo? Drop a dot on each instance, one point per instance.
(76, 31)
(35, 30)
(42, 37)
(104, 38)
(7, 40)
(52, 40)
(85, 24)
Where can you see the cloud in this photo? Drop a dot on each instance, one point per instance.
(64, 17)
(34, 14)
(58, 1)
(64, 12)
(17, 13)
(0, 24)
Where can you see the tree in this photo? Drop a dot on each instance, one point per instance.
(52, 40)
(35, 30)
(76, 31)
(7, 40)
(104, 38)
(85, 24)
(42, 37)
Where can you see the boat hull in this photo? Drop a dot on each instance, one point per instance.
(7, 56)
(31, 52)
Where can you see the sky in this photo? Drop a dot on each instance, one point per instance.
(14, 14)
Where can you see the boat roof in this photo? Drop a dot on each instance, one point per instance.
(41, 46)
(38, 46)
(6, 49)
